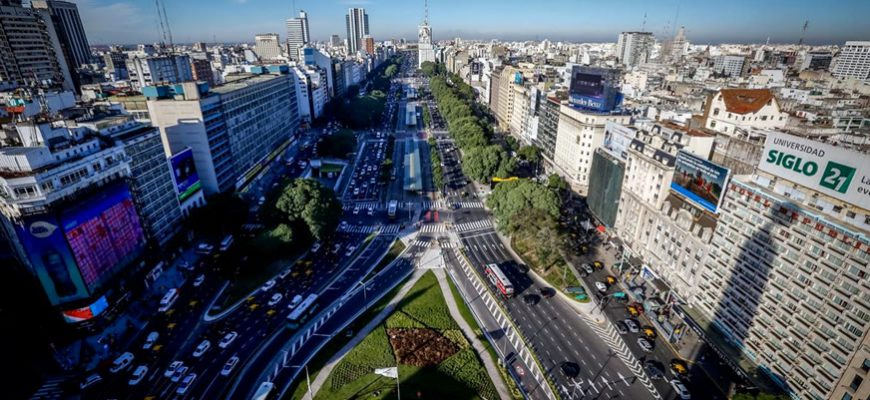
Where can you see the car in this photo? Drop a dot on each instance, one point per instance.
(261, 201)
(597, 265)
(268, 285)
(179, 373)
(174, 366)
(356, 210)
(229, 366)
(648, 331)
(150, 340)
(610, 279)
(199, 280)
(570, 369)
(530, 299)
(276, 298)
(632, 325)
(679, 368)
(621, 327)
(137, 376)
(295, 302)
(645, 344)
(680, 389)
(371, 211)
(632, 310)
(185, 384)
(204, 248)
(122, 362)
(202, 348)
(342, 225)
(355, 191)
(90, 381)
(587, 268)
(315, 247)
(229, 338)
(336, 248)
(547, 292)
(350, 250)
(601, 286)
(653, 369)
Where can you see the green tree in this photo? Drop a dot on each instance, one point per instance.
(558, 184)
(308, 201)
(391, 71)
(484, 162)
(338, 145)
(509, 199)
(530, 154)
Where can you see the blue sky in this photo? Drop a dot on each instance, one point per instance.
(706, 21)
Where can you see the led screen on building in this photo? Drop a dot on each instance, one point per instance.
(51, 260)
(85, 313)
(595, 88)
(700, 180)
(587, 84)
(184, 171)
(103, 232)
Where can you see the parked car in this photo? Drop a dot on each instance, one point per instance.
(632, 310)
(587, 268)
(601, 286)
(137, 376)
(621, 327)
(315, 247)
(179, 373)
(185, 384)
(649, 332)
(202, 348)
(680, 389)
(295, 302)
(199, 280)
(228, 339)
(350, 250)
(530, 299)
(653, 369)
(645, 344)
(679, 368)
(547, 292)
(122, 362)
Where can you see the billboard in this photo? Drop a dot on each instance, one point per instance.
(595, 88)
(699, 180)
(184, 172)
(103, 232)
(85, 313)
(840, 173)
(51, 259)
(618, 138)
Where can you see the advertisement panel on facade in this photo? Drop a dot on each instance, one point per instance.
(618, 138)
(85, 313)
(699, 180)
(184, 171)
(840, 173)
(51, 259)
(594, 88)
(103, 232)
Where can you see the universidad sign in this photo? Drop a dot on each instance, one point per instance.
(840, 173)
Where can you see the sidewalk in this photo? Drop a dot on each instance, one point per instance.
(491, 368)
(333, 362)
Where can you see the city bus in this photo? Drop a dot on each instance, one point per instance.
(302, 311)
(168, 300)
(263, 391)
(392, 207)
(498, 278)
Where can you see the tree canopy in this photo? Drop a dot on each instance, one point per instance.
(531, 154)
(338, 145)
(509, 199)
(481, 163)
(309, 202)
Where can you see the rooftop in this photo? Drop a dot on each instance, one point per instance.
(744, 101)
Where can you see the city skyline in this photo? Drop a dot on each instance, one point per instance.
(134, 21)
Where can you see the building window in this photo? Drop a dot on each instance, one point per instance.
(866, 366)
(715, 111)
(856, 382)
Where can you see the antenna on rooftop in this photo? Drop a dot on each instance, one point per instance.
(643, 26)
(425, 12)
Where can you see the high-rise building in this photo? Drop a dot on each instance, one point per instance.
(268, 46)
(730, 65)
(425, 51)
(147, 71)
(634, 48)
(116, 65)
(548, 126)
(853, 61)
(71, 33)
(206, 120)
(202, 71)
(369, 44)
(335, 41)
(357, 22)
(30, 49)
(297, 35)
(200, 47)
(817, 61)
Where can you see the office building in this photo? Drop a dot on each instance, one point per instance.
(68, 24)
(368, 45)
(357, 22)
(163, 69)
(732, 111)
(548, 126)
(785, 279)
(201, 71)
(31, 50)
(816, 61)
(335, 41)
(230, 128)
(425, 50)
(733, 66)
(315, 57)
(634, 48)
(116, 65)
(268, 46)
(297, 35)
(853, 61)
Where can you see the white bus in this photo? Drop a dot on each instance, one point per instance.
(226, 243)
(498, 278)
(168, 300)
(263, 391)
(302, 311)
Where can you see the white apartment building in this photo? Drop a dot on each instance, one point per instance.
(147, 71)
(297, 36)
(580, 133)
(520, 113)
(634, 48)
(729, 65)
(853, 61)
(731, 110)
(268, 46)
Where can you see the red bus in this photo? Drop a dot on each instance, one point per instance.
(498, 278)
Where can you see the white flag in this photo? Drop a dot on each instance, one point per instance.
(391, 372)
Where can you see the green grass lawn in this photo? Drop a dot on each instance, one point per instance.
(327, 167)
(461, 376)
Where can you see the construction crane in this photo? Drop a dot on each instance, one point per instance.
(164, 23)
(803, 32)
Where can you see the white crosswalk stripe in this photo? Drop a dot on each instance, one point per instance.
(473, 225)
(432, 228)
(390, 229)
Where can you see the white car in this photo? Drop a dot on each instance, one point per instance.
(202, 348)
(276, 298)
(268, 285)
(185, 384)
(174, 366)
(601, 286)
(122, 362)
(356, 210)
(680, 389)
(178, 374)
(587, 268)
(645, 344)
(199, 280)
(349, 251)
(632, 326)
(228, 339)
(150, 340)
(342, 225)
(315, 247)
(229, 366)
(137, 376)
(295, 302)
(371, 211)
(90, 381)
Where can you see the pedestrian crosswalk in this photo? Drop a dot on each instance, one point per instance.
(363, 205)
(385, 229)
(433, 228)
(473, 225)
(444, 204)
(423, 205)
(50, 389)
